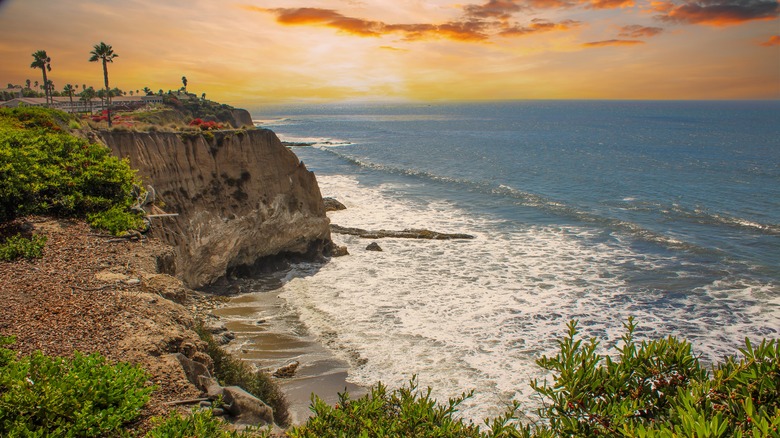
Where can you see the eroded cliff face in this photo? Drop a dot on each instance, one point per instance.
(240, 196)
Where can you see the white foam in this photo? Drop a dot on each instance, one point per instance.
(476, 313)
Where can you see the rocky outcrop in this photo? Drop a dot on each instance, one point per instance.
(239, 195)
(402, 234)
(241, 118)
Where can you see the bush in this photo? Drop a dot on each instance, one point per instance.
(404, 412)
(200, 423)
(56, 397)
(232, 371)
(44, 170)
(650, 389)
(658, 389)
(18, 246)
(116, 220)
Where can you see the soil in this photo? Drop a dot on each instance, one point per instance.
(96, 293)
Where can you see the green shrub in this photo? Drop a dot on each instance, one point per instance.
(116, 220)
(405, 412)
(233, 371)
(74, 125)
(44, 170)
(18, 246)
(658, 389)
(200, 423)
(56, 397)
(650, 389)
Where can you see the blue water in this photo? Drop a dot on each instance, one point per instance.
(668, 211)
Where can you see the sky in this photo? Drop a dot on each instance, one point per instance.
(251, 52)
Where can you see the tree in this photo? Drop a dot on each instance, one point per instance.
(87, 94)
(69, 91)
(105, 53)
(27, 82)
(203, 96)
(184, 81)
(42, 61)
(147, 91)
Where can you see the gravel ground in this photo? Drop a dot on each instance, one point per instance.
(93, 293)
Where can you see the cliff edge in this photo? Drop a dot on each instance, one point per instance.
(240, 196)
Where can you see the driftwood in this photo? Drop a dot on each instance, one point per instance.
(189, 401)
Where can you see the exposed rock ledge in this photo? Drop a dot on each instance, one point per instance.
(240, 196)
(406, 234)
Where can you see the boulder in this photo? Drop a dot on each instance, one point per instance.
(333, 205)
(193, 370)
(209, 386)
(246, 408)
(287, 371)
(339, 251)
(373, 246)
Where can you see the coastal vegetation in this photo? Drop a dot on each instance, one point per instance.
(45, 169)
(654, 388)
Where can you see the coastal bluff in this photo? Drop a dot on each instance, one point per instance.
(240, 196)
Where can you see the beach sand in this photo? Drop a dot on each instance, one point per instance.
(271, 337)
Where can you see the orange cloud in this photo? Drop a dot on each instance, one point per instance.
(610, 4)
(774, 40)
(470, 29)
(539, 25)
(613, 43)
(638, 31)
(717, 12)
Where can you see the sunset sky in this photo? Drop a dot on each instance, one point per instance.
(251, 52)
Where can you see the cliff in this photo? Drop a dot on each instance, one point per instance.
(240, 195)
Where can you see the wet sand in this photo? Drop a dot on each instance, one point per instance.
(270, 336)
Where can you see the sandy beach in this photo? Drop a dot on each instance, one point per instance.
(270, 336)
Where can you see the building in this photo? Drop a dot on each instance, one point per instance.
(79, 106)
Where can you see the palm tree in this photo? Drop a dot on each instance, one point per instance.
(184, 81)
(147, 91)
(104, 52)
(87, 94)
(27, 82)
(69, 91)
(42, 61)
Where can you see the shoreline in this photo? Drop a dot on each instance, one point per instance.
(270, 337)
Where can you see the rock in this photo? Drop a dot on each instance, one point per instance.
(218, 412)
(246, 408)
(168, 287)
(210, 387)
(339, 251)
(204, 404)
(333, 205)
(403, 234)
(193, 370)
(205, 359)
(287, 371)
(373, 246)
(226, 338)
(188, 349)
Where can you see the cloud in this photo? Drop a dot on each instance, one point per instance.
(638, 31)
(479, 23)
(496, 9)
(539, 25)
(613, 43)
(717, 12)
(610, 4)
(774, 40)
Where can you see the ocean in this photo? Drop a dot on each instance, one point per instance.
(592, 211)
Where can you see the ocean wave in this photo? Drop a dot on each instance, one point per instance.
(542, 203)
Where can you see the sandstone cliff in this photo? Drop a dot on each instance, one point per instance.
(240, 196)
